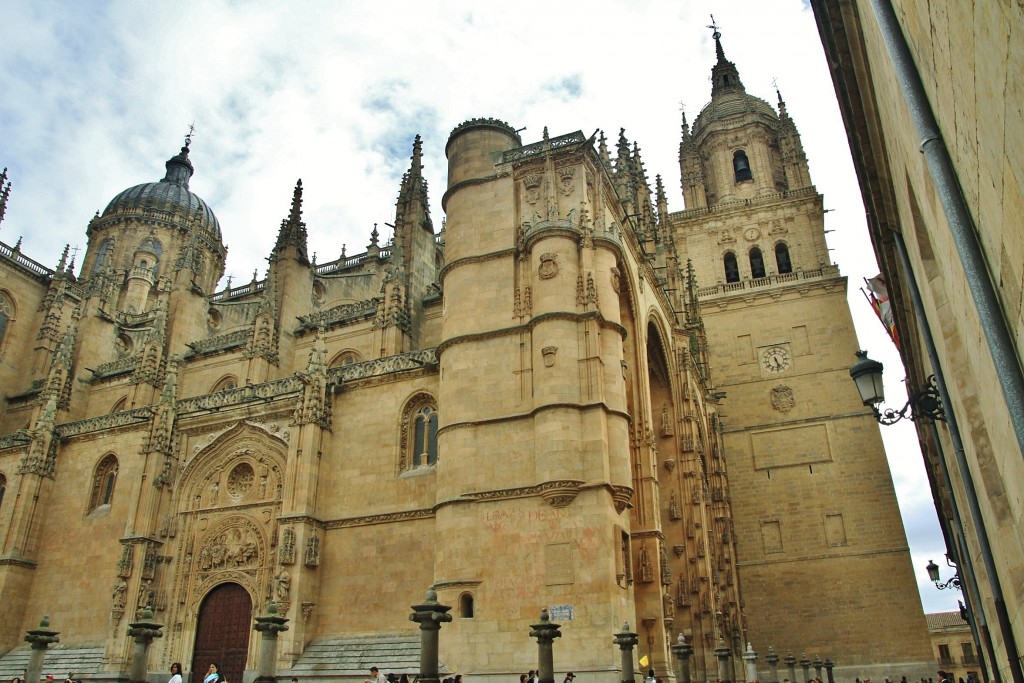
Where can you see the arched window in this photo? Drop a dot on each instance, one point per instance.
(3, 490)
(120, 405)
(102, 256)
(732, 268)
(419, 433)
(6, 318)
(466, 606)
(103, 482)
(756, 263)
(425, 439)
(347, 357)
(225, 384)
(782, 258)
(741, 166)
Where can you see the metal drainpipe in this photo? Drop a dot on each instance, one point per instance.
(965, 568)
(1003, 617)
(965, 238)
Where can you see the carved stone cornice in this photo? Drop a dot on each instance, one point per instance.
(456, 583)
(115, 367)
(338, 315)
(223, 342)
(277, 389)
(414, 360)
(15, 439)
(386, 518)
(125, 418)
(302, 519)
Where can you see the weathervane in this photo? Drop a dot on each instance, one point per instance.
(191, 132)
(714, 27)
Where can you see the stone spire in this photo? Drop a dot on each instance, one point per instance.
(791, 148)
(293, 230)
(5, 192)
(725, 78)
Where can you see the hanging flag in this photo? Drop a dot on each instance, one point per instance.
(877, 295)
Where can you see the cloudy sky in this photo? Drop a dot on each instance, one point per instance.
(95, 96)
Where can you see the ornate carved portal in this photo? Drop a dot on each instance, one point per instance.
(222, 633)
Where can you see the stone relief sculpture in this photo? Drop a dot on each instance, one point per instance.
(646, 570)
(673, 507)
(282, 586)
(287, 552)
(118, 596)
(313, 550)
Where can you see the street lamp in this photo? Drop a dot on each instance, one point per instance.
(933, 576)
(926, 403)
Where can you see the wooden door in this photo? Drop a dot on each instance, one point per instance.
(222, 633)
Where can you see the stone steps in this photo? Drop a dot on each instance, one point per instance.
(352, 656)
(84, 661)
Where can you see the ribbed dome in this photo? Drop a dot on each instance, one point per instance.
(732, 104)
(169, 199)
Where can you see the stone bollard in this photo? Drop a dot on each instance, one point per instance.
(430, 615)
(773, 665)
(626, 640)
(143, 631)
(268, 627)
(750, 660)
(40, 639)
(723, 654)
(683, 650)
(817, 666)
(828, 670)
(805, 664)
(791, 665)
(545, 632)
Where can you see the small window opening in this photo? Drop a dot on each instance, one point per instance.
(465, 606)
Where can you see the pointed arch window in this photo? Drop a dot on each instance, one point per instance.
(419, 434)
(103, 482)
(6, 319)
(756, 263)
(732, 267)
(225, 384)
(425, 437)
(3, 489)
(102, 255)
(741, 166)
(782, 258)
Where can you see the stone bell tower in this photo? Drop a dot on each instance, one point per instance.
(812, 496)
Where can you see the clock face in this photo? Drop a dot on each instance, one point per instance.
(775, 358)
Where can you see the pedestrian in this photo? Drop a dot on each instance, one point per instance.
(211, 674)
(376, 676)
(650, 677)
(458, 678)
(175, 673)
(523, 678)
(569, 677)
(943, 677)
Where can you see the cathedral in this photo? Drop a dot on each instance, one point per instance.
(566, 397)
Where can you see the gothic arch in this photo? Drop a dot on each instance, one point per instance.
(243, 465)
(3, 489)
(225, 383)
(234, 549)
(119, 405)
(104, 480)
(346, 357)
(8, 314)
(418, 438)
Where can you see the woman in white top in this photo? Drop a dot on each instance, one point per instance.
(175, 673)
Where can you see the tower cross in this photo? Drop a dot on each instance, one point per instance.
(191, 132)
(714, 27)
